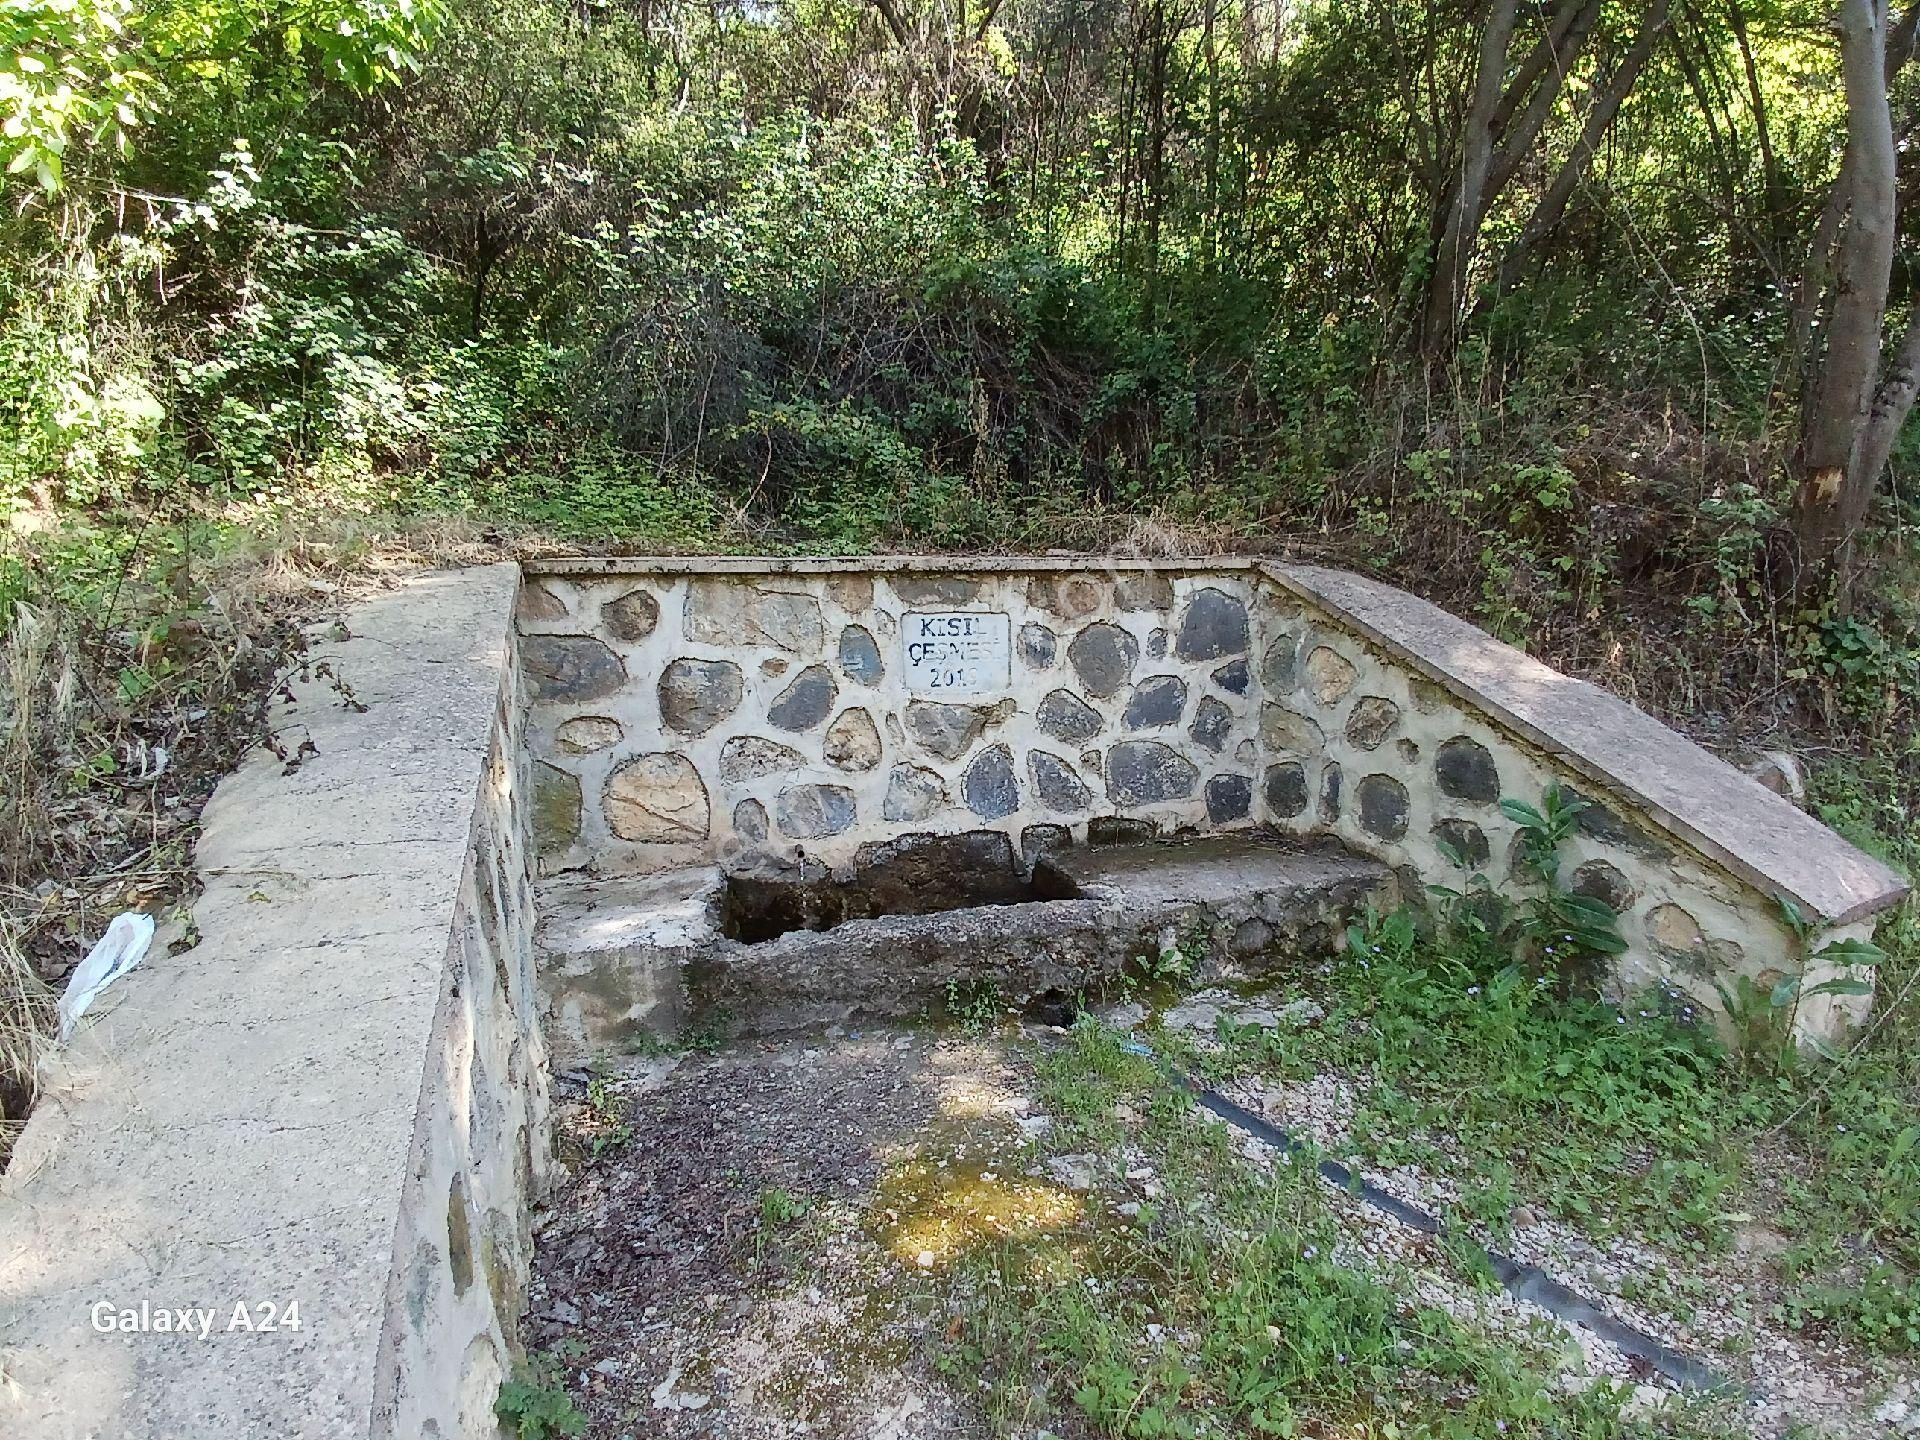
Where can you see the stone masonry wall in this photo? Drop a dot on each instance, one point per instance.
(464, 1246)
(1355, 743)
(684, 711)
(678, 716)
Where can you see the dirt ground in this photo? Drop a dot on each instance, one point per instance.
(725, 1268)
(765, 1241)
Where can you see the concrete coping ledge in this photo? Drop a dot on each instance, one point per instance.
(298, 1132)
(984, 565)
(1693, 794)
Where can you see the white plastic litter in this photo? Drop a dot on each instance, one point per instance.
(119, 950)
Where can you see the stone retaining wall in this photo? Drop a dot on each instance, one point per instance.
(692, 710)
(334, 1100)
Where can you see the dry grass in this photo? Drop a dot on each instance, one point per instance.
(121, 710)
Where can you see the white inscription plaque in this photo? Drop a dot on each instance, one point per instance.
(961, 652)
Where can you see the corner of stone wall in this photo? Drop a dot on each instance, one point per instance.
(1392, 756)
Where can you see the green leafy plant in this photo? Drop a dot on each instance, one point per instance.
(780, 1208)
(536, 1406)
(1763, 1017)
(974, 1003)
(1556, 929)
(605, 1112)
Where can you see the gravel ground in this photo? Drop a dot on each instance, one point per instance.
(1797, 1384)
(686, 1302)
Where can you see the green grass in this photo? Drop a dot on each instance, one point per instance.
(1227, 1305)
(1635, 1118)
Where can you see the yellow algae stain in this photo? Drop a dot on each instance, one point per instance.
(927, 1213)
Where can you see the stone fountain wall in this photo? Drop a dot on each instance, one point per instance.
(687, 711)
(684, 715)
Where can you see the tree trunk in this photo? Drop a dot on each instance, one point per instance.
(1892, 403)
(1812, 288)
(1446, 286)
(1546, 54)
(1517, 139)
(1833, 495)
(1553, 205)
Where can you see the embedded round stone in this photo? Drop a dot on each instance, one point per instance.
(1212, 724)
(1428, 698)
(808, 812)
(1146, 772)
(1408, 751)
(570, 667)
(1065, 716)
(805, 702)
(1068, 596)
(1103, 656)
(1597, 822)
(1597, 880)
(1213, 627)
(1466, 839)
(1286, 789)
(1156, 643)
(852, 593)
(734, 612)
(1039, 646)
(1281, 664)
(1330, 675)
(989, 786)
(1232, 677)
(536, 602)
(1283, 732)
(1055, 782)
(1143, 590)
(556, 807)
(657, 800)
(1674, 929)
(1229, 797)
(631, 617)
(942, 729)
(912, 794)
(749, 757)
(584, 734)
(1383, 806)
(750, 820)
(936, 589)
(1465, 769)
(1090, 761)
(1044, 839)
(1372, 721)
(696, 695)
(773, 665)
(860, 657)
(853, 741)
(1158, 700)
(1330, 783)
(1118, 830)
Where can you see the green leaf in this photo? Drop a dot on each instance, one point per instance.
(1522, 813)
(1841, 985)
(1851, 952)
